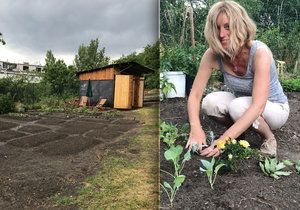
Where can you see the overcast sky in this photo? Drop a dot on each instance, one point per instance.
(31, 27)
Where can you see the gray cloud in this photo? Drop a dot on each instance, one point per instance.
(35, 26)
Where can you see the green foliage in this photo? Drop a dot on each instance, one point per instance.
(58, 76)
(290, 85)
(90, 57)
(297, 166)
(277, 21)
(173, 154)
(150, 58)
(273, 168)
(177, 58)
(168, 133)
(21, 89)
(165, 87)
(211, 169)
(6, 103)
(233, 152)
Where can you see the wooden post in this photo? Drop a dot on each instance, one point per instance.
(192, 26)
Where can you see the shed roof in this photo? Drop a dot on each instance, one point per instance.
(131, 68)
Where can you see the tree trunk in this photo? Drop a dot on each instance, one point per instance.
(183, 26)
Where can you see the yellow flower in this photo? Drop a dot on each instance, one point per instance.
(233, 141)
(244, 143)
(230, 156)
(227, 139)
(221, 144)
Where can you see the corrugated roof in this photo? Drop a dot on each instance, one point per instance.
(131, 68)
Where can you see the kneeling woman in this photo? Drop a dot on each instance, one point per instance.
(256, 98)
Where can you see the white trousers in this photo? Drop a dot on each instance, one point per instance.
(220, 104)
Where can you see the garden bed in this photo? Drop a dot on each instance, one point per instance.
(248, 188)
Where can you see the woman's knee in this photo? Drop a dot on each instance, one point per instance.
(238, 107)
(216, 103)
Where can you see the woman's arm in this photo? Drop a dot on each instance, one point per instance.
(260, 93)
(207, 64)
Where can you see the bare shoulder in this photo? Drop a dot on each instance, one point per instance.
(263, 52)
(209, 59)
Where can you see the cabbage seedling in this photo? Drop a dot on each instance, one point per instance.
(297, 165)
(173, 154)
(273, 168)
(211, 170)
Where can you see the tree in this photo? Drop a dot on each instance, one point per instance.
(57, 74)
(1, 39)
(90, 57)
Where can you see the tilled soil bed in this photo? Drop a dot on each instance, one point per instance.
(248, 188)
(43, 156)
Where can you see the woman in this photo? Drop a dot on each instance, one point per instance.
(256, 98)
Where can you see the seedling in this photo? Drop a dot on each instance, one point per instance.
(297, 165)
(166, 87)
(173, 154)
(273, 168)
(211, 170)
(168, 133)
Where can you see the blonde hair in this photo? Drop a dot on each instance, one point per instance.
(242, 28)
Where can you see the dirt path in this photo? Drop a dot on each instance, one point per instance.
(41, 156)
(249, 188)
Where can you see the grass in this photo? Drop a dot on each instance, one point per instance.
(126, 181)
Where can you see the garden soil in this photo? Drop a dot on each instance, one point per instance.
(46, 155)
(248, 188)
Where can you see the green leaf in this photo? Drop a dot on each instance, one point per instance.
(297, 166)
(283, 173)
(267, 166)
(173, 153)
(288, 163)
(218, 168)
(206, 164)
(187, 156)
(167, 185)
(262, 167)
(274, 176)
(213, 162)
(280, 166)
(273, 164)
(179, 180)
(202, 169)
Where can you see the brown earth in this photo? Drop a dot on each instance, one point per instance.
(248, 188)
(42, 156)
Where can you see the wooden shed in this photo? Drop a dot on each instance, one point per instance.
(121, 84)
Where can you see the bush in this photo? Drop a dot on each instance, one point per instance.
(152, 81)
(291, 85)
(6, 103)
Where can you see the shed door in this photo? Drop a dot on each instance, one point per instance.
(123, 92)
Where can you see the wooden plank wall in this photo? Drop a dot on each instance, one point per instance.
(104, 74)
(139, 92)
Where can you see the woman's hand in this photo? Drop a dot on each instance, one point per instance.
(212, 150)
(197, 136)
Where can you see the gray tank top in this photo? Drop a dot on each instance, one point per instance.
(243, 85)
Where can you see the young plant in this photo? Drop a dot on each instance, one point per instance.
(184, 131)
(297, 165)
(166, 87)
(211, 169)
(168, 133)
(233, 152)
(173, 154)
(273, 168)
